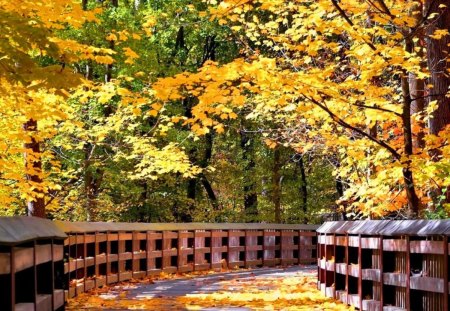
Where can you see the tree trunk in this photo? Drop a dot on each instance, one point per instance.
(417, 86)
(276, 184)
(136, 5)
(188, 103)
(33, 163)
(84, 4)
(303, 189)
(92, 182)
(210, 192)
(438, 63)
(250, 195)
(143, 211)
(109, 67)
(413, 200)
(204, 162)
(191, 193)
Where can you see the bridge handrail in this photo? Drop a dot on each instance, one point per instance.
(104, 253)
(86, 227)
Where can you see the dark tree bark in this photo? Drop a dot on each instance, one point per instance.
(93, 178)
(33, 162)
(416, 85)
(303, 189)
(84, 4)
(204, 162)
(109, 67)
(250, 195)
(276, 184)
(438, 55)
(414, 202)
(143, 215)
(340, 192)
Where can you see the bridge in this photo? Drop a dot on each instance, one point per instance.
(44, 263)
(370, 265)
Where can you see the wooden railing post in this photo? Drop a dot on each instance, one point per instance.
(12, 260)
(84, 261)
(147, 250)
(108, 251)
(34, 281)
(408, 274)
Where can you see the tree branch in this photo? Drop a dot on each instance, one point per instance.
(385, 8)
(344, 124)
(379, 108)
(347, 19)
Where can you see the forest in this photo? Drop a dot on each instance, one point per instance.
(287, 111)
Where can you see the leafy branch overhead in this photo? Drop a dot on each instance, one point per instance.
(224, 110)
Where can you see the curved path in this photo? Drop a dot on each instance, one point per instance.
(240, 290)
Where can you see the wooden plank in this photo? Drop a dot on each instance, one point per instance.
(371, 274)
(100, 259)
(235, 233)
(5, 260)
(395, 279)
(434, 285)
(125, 236)
(341, 268)
(140, 236)
(100, 281)
(341, 240)
(254, 233)
(23, 258)
(58, 252)
(112, 236)
(394, 245)
(370, 242)
(89, 238)
(203, 234)
(353, 241)
(58, 298)
(427, 247)
(111, 226)
(353, 270)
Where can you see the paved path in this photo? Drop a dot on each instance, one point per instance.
(214, 282)
(166, 293)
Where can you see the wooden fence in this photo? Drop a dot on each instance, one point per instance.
(31, 265)
(385, 265)
(105, 253)
(42, 263)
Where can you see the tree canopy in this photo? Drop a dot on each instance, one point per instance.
(233, 110)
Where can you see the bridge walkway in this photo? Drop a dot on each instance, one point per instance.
(292, 288)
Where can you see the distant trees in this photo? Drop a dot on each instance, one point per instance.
(225, 111)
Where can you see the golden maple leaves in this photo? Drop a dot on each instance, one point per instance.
(269, 293)
(324, 64)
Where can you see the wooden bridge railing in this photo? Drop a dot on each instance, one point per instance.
(42, 263)
(105, 253)
(386, 265)
(31, 264)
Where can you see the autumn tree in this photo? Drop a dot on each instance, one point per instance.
(337, 75)
(35, 83)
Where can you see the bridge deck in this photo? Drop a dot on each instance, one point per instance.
(292, 288)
